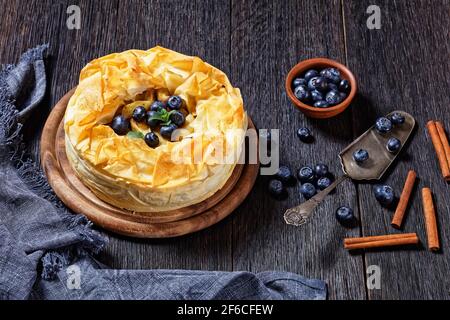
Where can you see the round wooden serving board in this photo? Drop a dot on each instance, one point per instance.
(172, 223)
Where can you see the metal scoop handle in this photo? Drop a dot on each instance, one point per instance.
(300, 214)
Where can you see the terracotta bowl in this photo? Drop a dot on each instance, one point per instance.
(318, 64)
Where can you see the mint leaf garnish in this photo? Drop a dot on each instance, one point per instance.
(135, 135)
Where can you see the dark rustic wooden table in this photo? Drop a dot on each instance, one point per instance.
(404, 65)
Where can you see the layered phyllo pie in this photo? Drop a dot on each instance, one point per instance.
(156, 130)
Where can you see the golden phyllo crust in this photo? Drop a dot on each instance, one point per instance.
(125, 171)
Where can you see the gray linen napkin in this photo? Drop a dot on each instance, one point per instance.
(47, 252)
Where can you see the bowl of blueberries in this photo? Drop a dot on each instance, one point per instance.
(321, 88)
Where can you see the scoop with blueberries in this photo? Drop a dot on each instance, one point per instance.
(165, 116)
(321, 89)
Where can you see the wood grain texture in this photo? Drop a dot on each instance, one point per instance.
(268, 39)
(405, 66)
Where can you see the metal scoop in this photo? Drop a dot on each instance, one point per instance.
(373, 169)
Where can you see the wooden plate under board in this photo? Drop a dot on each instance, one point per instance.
(172, 223)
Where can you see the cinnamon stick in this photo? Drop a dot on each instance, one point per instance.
(444, 140)
(380, 241)
(430, 220)
(439, 148)
(404, 199)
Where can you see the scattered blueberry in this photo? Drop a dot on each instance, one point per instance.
(139, 114)
(304, 134)
(312, 83)
(120, 125)
(166, 131)
(299, 82)
(151, 139)
(384, 194)
(151, 121)
(276, 188)
(383, 125)
(316, 95)
(174, 103)
(331, 74)
(393, 145)
(321, 104)
(306, 174)
(344, 86)
(301, 93)
(333, 97)
(397, 119)
(310, 74)
(178, 118)
(284, 174)
(308, 190)
(157, 106)
(321, 170)
(344, 216)
(360, 155)
(323, 183)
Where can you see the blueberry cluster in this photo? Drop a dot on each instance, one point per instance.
(321, 89)
(163, 115)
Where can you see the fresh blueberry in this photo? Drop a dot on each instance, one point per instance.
(393, 145)
(397, 119)
(174, 103)
(344, 86)
(152, 122)
(301, 93)
(321, 170)
(331, 74)
(321, 104)
(120, 125)
(311, 74)
(321, 84)
(151, 139)
(178, 118)
(306, 174)
(323, 183)
(318, 83)
(308, 190)
(344, 216)
(383, 125)
(332, 86)
(157, 106)
(316, 95)
(299, 82)
(360, 155)
(333, 97)
(342, 95)
(384, 194)
(276, 188)
(139, 114)
(166, 131)
(284, 174)
(304, 134)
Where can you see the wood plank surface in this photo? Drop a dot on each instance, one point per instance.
(269, 38)
(404, 65)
